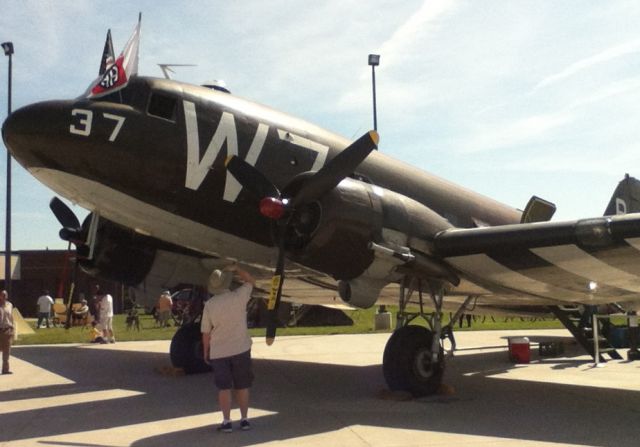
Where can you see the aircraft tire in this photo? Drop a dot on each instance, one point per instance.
(407, 362)
(389, 362)
(186, 350)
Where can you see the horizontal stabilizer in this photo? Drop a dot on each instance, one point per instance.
(538, 210)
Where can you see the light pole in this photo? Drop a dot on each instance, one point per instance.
(374, 60)
(8, 51)
(383, 318)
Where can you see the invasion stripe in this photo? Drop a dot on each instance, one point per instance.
(483, 266)
(529, 264)
(579, 262)
(634, 242)
(623, 257)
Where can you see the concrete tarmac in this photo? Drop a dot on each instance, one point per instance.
(318, 391)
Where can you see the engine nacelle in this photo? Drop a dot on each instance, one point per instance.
(119, 254)
(360, 292)
(347, 219)
(146, 264)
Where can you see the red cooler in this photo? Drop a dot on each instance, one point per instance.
(519, 350)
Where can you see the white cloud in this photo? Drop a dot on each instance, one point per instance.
(462, 85)
(609, 91)
(398, 52)
(614, 163)
(602, 57)
(526, 130)
(422, 22)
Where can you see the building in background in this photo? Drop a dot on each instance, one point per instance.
(36, 270)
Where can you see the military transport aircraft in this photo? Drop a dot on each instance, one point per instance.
(181, 179)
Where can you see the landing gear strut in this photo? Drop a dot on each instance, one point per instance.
(414, 357)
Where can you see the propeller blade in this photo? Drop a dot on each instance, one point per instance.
(276, 287)
(337, 169)
(73, 235)
(63, 213)
(250, 178)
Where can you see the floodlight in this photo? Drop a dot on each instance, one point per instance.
(8, 48)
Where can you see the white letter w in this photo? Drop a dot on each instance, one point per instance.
(197, 169)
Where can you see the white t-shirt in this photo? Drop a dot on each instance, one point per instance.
(6, 315)
(44, 304)
(225, 320)
(106, 306)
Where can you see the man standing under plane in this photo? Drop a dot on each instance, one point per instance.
(226, 342)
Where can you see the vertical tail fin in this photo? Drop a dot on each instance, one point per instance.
(626, 197)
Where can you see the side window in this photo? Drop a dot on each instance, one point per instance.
(162, 106)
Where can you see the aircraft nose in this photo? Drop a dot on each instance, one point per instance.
(30, 130)
(11, 128)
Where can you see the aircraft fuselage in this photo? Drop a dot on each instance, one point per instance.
(157, 148)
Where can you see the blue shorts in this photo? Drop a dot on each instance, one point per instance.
(233, 372)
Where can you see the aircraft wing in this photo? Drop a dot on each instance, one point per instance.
(514, 269)
(587, 261)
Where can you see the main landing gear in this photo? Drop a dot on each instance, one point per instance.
(414, 357)
(186, 349)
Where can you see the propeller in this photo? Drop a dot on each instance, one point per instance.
(337, 169)
(71, 228)
(75, 233)
(72, 231)
(282, 209)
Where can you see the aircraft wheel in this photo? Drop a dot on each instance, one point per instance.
(186, 349)
(407, 364)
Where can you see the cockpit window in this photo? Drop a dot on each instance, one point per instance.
(162, 106)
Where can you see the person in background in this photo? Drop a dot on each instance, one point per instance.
(94, 303)
(96, 333)
(44, 308)
(164, 307)
(81, 312)
(105, 312)
(7, 330)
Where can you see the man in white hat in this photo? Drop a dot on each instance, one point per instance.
(226, 341)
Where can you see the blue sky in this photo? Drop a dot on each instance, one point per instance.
(509, 98)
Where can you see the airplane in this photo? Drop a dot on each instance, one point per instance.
(183, 179)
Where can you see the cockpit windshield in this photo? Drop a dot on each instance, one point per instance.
(122, 96)
(135, 94)
(145, 94)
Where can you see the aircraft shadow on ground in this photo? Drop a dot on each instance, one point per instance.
(310, 398)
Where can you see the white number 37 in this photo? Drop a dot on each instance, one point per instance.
(84, 121)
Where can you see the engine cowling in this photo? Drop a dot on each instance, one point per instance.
(119, 254)
(361, 292)
(346, 220)
(143, 263)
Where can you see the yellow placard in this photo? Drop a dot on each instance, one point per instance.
(275, 285)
